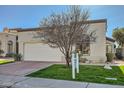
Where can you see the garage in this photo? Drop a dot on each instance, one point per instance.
(41, 52)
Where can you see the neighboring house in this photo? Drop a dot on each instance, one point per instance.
(110, 45)
(26, 42)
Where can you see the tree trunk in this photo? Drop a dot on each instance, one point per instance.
(67, 58)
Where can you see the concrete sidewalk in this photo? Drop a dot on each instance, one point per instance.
(28, 82)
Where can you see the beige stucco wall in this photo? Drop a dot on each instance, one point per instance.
(98, 48)
(28, 38)
(4, 38)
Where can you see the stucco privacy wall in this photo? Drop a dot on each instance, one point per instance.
(4, 38)
(98, 48)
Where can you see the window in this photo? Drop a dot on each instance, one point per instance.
(84, 48)
(84, 45)
(10, 47)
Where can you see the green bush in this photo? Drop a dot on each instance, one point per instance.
(119, 53)
(17, 57)
(10, 54)
(118, 50)
(110, 57)
(1, 52)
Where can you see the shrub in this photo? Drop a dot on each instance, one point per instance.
(119, 55)
(10, 54)
(118, 50)
(1, 52)
(17, 57)
(109, 56)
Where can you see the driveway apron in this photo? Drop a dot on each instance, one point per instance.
(22, 68)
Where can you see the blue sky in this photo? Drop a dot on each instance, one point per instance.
(30, 16)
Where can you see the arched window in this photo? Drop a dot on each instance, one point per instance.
(10, 47)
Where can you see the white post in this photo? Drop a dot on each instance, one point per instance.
(77, 63)
(73, 65)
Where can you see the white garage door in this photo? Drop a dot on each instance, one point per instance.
(41, 52)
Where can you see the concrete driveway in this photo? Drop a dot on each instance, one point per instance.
(22, 68)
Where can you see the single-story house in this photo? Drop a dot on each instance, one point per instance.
(24, 41)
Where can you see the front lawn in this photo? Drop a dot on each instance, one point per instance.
(5, 61)
(88, 73)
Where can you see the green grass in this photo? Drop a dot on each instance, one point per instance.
(5, 61)
(88, 73)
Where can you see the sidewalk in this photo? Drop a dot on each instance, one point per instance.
(28, 82)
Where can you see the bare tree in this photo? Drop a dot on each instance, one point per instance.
(66, 29)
